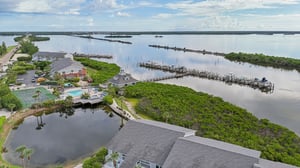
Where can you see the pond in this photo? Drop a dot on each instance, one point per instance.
(57, 138)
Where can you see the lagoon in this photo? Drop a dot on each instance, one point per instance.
(281, 107)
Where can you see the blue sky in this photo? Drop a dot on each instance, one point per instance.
(148, 15)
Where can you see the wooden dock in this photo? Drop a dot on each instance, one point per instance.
(103, 39)
(189, 50)
(87, 101)
(92, 55)
(166, 77)
(181, 71)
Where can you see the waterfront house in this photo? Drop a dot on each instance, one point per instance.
(122, 79)
(68, 68)
(153, 144)
(50, 56)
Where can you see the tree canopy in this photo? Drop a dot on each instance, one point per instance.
(265, 60)
(214, 118)
(28, 47)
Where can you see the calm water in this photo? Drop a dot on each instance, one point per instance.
(282, 107)
(62, 139)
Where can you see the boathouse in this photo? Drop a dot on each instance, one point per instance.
(122, 79)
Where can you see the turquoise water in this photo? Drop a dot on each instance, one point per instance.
(75, 93)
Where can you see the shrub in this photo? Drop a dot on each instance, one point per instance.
(27, 59)
(214, 118)
(97, 160)
(108, 99)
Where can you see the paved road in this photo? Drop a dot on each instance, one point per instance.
(5, 59)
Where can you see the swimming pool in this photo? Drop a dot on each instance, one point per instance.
(75, 93)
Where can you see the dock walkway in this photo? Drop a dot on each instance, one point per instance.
(181, 71)
(189, 50)
(123, 113)
(103, 39)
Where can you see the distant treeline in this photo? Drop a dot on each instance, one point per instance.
(155, 32)
(214, 118)
(118, 36)
(32, 38)
(265, 60)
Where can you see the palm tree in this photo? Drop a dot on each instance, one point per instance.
(69, 102)
(25, 153)
(38, 94)
(11, 106)
(114, 157)
(122, 98)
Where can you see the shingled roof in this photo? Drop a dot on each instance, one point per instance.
(65, 65)
(194, 152)
(146, 140)
(172, 146)
(47, 56)
(122, 79)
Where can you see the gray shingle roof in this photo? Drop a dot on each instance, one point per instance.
(197, 152)
(270, 164)
(50, 56)
(65, 65)
(122, 79)
(172, 146)
(146, 140)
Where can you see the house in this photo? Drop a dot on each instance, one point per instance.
(50, 56)
(153, 144)
(68, 68)
(122, 79)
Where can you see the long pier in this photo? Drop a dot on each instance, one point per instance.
(92, 55)
(166, 77)
(181, 71)
(189, 50)
(103, 39)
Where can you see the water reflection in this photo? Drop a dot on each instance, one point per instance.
(281, 107)
(56, 139)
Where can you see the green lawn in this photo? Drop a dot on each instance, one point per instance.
(26, 96)
(9, 48)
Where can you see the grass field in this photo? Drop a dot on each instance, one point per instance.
(26, 98)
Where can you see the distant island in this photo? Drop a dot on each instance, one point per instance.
(265, 60)
(118, 36)
(32, 38)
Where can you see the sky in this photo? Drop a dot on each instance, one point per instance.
(149, 15)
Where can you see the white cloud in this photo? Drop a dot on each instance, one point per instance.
(124, 14)
(90, 22)
(33, 6)
(215, 7)
(105, 5)
(61, 7)
(163, 16)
